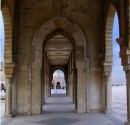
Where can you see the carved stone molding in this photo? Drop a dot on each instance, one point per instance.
(107, 68)
(123, 51)
(120, 41)
(9, 69)
(125, 58)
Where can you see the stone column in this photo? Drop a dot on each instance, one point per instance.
(81, 86)
(8, 70)
(45, 91)
(49, 91)
(127, 69)
(70, 88)
(75, 87)
(8, 100)
(108, 87)
(67, 86)
(108, 94)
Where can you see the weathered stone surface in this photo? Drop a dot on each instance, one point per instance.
(25, 4)
(32, 14)
(36, 99)
(81, 86)
(95, 94)
(22, 107)
(36, 73)
(76, 4)
(78, 21)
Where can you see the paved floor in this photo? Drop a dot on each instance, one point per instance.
(58, 91)
(60, 111)
(58, 104)
(119, 102)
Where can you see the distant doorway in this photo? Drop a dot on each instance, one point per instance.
(58, 85)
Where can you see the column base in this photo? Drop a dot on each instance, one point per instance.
(108, 111)
(127, 123)
(8, 116)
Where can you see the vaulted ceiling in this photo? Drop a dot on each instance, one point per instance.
(58, 50)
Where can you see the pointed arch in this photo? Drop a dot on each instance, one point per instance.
(73, 32)
(68, 27)
(109, 34)
(8, 34)
(58, 68)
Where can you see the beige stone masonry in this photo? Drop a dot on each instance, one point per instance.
(107, 68)
(8, 35)
(8, 69)
(109, 34)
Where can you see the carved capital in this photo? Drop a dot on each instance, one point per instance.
(9, 69)
(107, 68)
(125, 57)
(124, 52)
(120, 41)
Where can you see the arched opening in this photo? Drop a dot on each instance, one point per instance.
(58, 84)
(73, 58)
(118, 76)
(2, 75)
(8, 58)
(116, 80)
(58, 52)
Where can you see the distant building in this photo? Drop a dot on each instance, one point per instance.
(57, 80)
(2, 75)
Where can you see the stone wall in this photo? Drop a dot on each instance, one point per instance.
(31, 14)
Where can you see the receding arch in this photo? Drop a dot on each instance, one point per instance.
(61, 32)
(42, 34)
(58, 68)
(60, 23)
(58, 76)
(8, 34)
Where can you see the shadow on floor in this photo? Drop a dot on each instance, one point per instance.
(58, 104)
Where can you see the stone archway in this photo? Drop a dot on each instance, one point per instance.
(60, 68)
(60, 23)
(56, 76)
(108, 57)
(40, 35)
(109, 34)
(111, 10)
(8, 57)
(8, 34)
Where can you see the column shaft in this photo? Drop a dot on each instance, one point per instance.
(8, 100)
(108, 91)
(128, 95)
